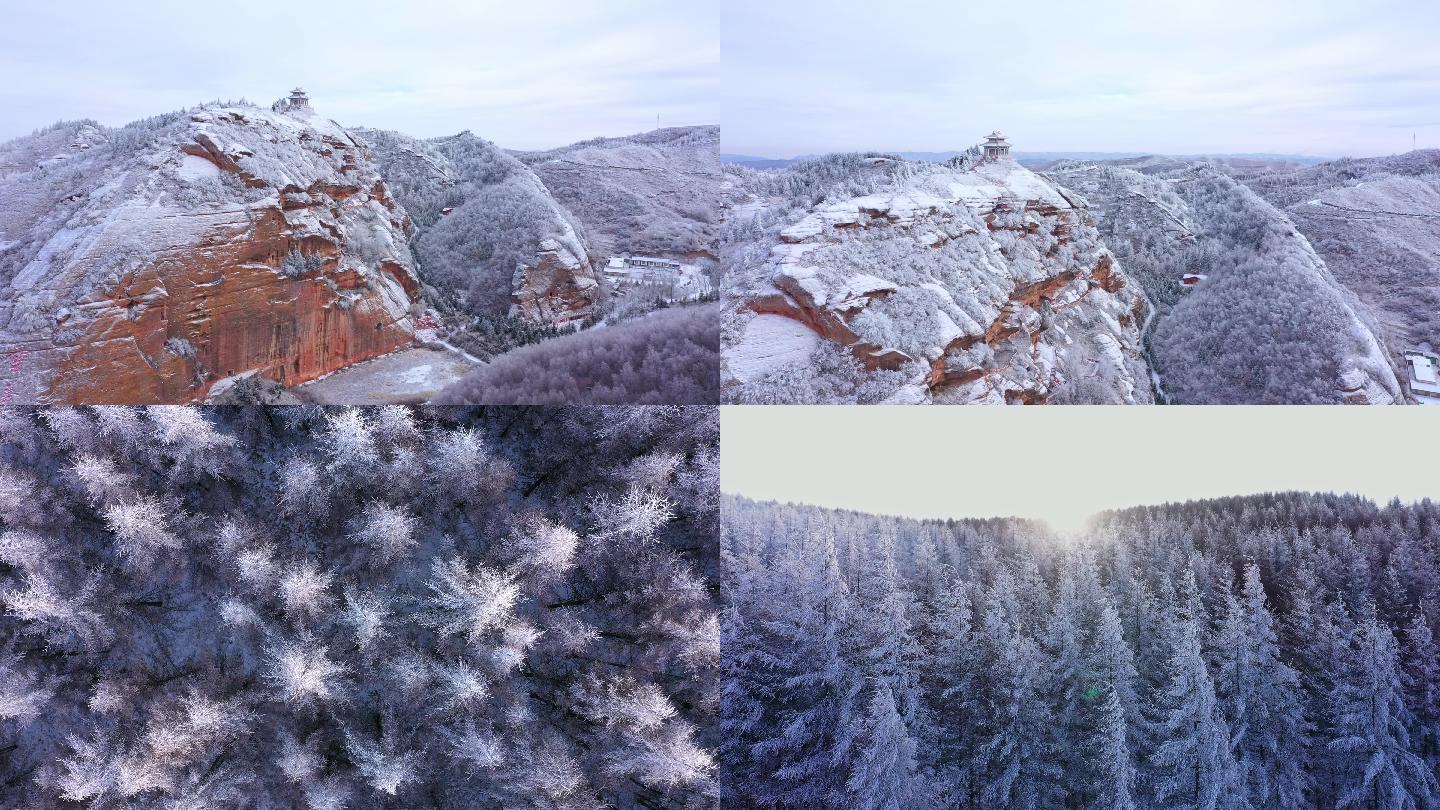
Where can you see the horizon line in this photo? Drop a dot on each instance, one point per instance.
(1089, 516)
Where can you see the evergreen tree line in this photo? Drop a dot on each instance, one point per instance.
(1271, 651)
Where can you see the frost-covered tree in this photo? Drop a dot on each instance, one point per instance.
(1260, 700)
(1371, 741)
(1193, 766)
(358, 608)
(885, 766)
(1207, 654)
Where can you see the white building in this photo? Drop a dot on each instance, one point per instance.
(651, 261)
(298, 99)
(616, 267)
(1424, 376)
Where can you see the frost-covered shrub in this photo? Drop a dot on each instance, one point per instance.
(297, 264)
(669, 356)
(367, 608)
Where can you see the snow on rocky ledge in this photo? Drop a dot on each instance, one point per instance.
(980, 282)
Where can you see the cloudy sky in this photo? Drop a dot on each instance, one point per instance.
(1318, 77)
(1063, 464)
(526, 75)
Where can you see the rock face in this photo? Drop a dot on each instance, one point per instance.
(488, 228)
(966, 282)
(148, 263)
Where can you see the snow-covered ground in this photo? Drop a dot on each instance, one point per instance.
(409, 375)
(770, 342)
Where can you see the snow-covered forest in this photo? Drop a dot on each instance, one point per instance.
(358, 608)
(1269, 324)
(1269, 651)
(651, 193)
(671, 355)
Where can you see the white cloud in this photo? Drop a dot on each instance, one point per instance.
(525, 75)
(1324, 77)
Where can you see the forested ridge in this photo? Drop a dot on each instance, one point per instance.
(358, 608)
(1269, 651)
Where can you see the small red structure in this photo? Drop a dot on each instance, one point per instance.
(445, 212)
(1191, 279)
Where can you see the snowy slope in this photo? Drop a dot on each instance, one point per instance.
(1268, 324)
(967, 281)
(1376, 223)
(653, 193)
(488, 229)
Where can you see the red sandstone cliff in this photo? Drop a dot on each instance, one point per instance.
(195, 247)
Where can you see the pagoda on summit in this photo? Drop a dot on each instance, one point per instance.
(996, 147)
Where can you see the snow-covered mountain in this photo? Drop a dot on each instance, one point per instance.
(652, 193)
(147, 263)
(1376, 223)
(866, 278)
(159, 261)
(488, 228)
(1265, 320)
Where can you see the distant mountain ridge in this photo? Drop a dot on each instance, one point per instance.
(651, 193)
(1031, 159)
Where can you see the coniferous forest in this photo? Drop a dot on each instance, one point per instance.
(1267, 651)
(358, 608)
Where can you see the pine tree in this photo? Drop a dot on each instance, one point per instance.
(1370, 740)
(885, 765)
(1259, 696)
(1193, 768)
(1112, 713)
(1421, 677)
(1014, 756)
(818, 720)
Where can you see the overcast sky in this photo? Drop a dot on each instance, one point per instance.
(532, 74)
(1318, 77)
(1063, 464)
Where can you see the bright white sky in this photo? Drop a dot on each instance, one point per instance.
(1062, 464)
(1318, 77)
(534, 74)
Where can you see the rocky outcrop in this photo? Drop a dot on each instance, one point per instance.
(225, 241)
(558, 288)
(971, 282)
